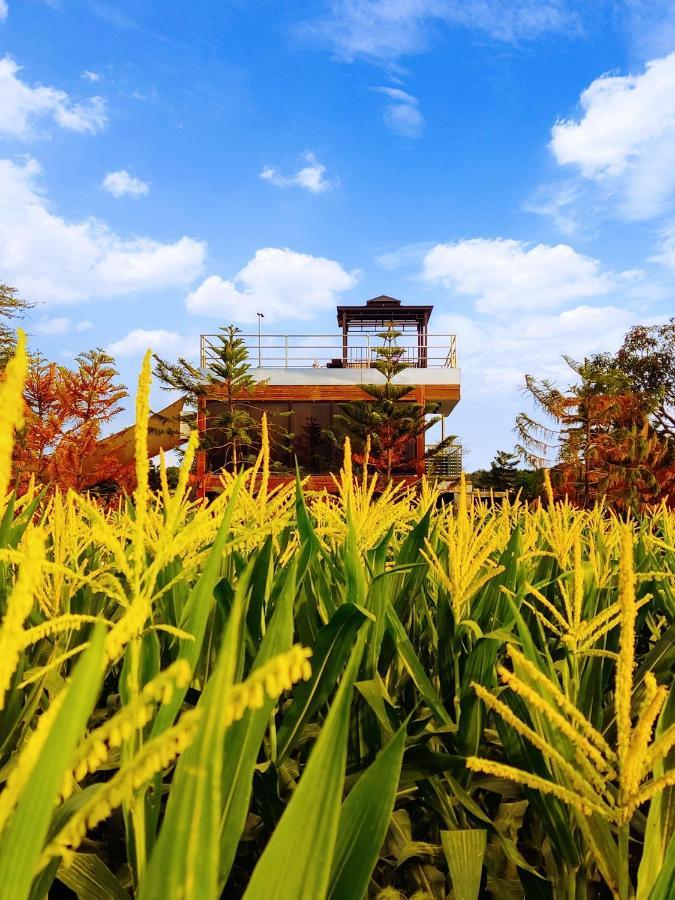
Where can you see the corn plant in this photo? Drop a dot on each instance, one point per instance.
(290, 694)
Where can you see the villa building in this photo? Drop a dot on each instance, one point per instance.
(303, 379)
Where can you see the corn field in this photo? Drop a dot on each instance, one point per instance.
(288, 695)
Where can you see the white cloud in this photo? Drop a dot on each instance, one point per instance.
(50, 259)
(505, 275)
(402, 114)
(310, 177)
(650, 25)
(56, 325)
(495, 354)
(562, 203)
(21, 105)
(158, 339)
(624, 141)
(385, 30)
(122, 184)
(93, 77)
(84, 325)
(280, 283)
(666, 248)
(4, 10)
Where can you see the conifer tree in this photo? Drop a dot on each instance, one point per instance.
(234, 431)
(503, 472)
(386, 424)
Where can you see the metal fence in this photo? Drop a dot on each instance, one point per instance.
(320, 351)
(446, 464)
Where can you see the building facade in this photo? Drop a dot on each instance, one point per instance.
(301, 380)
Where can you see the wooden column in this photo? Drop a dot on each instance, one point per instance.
(200, 458)
(420, 397)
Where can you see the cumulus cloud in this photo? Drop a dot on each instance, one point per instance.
(158, 339)
(666, 248)
(280, 283)
(505, 275)
(311, 176)
(122, 184)
(21, 105)
(402, 113)
(51, 259)
(384, 31)
(55, 325)
(88, 75)
(495, 354)
(624, 140)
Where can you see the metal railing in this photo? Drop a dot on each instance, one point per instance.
(447, 463)
(320, 351)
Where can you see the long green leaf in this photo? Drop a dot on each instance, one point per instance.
(364, 820)
(464, 852)
(88, 876)
(663, 887)
(414, 666)
(243, 738)
(333, 645)
(24, 838)
(296, 862)
(185, 861)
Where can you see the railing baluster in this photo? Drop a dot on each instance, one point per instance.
(304, 350)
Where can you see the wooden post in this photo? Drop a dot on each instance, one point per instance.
(420, 397)
(200, 460)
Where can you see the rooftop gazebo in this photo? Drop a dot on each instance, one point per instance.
(377, 314)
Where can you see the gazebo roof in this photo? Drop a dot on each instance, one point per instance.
(379, 311)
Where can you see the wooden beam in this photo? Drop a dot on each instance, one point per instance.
(211, 483)
(329, 392)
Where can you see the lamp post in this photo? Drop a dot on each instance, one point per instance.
(260, 316)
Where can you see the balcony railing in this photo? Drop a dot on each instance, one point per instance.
(320, 351)
(447, 463)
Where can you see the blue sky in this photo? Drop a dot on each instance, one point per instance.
(168, 168)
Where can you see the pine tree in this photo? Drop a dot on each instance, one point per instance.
(503, 472)
(312, 447)
(234, 432)
(385, 425)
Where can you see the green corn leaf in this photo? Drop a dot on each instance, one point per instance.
(24, 837)
(333, 645)
(663, 886)
(414, 666)
(296, 862)
(354, 569)
(243, 738)
(185, 861)
(464, 852)
(661, 817)
(196, 612)
(364, 820)
(89, 877)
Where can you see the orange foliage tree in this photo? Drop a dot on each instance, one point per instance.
(66, 411)
(600, 439)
